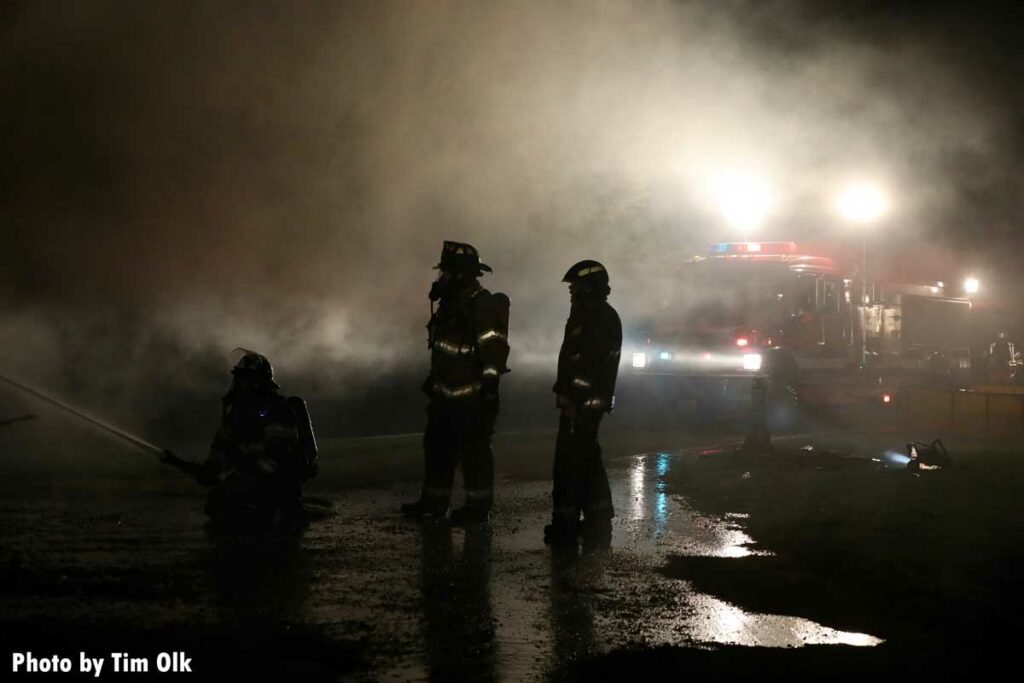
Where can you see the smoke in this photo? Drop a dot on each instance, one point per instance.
(184, 178)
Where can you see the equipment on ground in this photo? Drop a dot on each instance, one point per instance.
(927, 456)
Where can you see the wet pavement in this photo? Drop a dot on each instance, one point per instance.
(403, 599)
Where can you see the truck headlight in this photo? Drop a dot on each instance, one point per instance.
(751, 361)
(639, 360)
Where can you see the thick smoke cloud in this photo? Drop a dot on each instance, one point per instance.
(183, 178)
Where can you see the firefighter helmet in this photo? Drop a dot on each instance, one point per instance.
(256, 366)
(590, 279)
(592, 271)
(462, 257)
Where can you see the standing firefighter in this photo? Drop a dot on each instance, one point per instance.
(468, 342)
(260, 456)
(588, 363)
(1002, 360)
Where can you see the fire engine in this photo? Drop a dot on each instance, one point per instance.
(767, 309)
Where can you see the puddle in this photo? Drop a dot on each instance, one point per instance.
(653, 525)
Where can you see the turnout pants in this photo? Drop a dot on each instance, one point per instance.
(581, 483)
(459, 433)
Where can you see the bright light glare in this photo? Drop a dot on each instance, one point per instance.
(895, 458)
(742, 341)
(639, 360)
(751, 361)
(861, 203)
(971, 285)
(665, 355)
(743, 199)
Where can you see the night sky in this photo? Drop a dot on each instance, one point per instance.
(182, 178)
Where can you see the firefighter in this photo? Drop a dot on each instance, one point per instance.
(468, 341)
(1002, 360)
(260, 456)
(588, 363)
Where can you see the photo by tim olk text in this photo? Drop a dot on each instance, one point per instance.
(115, 662)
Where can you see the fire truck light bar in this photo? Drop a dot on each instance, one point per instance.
(752, 248)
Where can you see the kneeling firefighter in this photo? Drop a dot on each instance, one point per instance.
(588, 364)
(468, 341)
(261, 454)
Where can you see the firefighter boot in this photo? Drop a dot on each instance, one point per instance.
(564, 529)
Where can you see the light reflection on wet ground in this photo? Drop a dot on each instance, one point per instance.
(427, 600)
(656, 520)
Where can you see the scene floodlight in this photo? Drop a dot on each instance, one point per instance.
(743, 200)
(861, 203)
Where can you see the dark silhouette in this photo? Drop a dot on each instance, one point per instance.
(259, 457)
(588, 364)
(468, 342)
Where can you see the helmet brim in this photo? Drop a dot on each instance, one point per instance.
(582, 270)
(482, 267)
